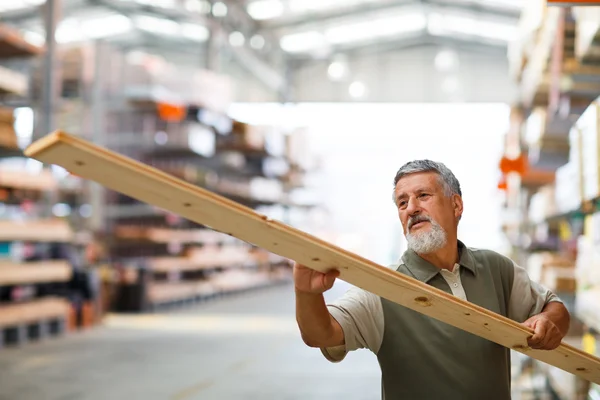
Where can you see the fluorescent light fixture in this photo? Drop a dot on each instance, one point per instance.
(265, 9)
(157, 25)
(194, 32)
(106, 26)
(35, 38)
(257, 42)
(315, 5)
(12, 5)
(219, 9)
(236, 39)
(301, 42)
(158, 3)
(445, 24)
(199, 6)
(381, 27)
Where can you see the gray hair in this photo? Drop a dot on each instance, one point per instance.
(447, 178)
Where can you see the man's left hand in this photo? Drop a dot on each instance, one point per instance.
(546, 335)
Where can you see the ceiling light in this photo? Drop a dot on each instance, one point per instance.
(35, 38)
(195, 32)
(357, 89)
(199, 6)
(337, 70)
(158, 3)
(301, 42)
(265, 9)
(8, 5)
(157, 25)
(446, 60)
(450, 84)
(219, 9)
(313, 5)
(381, 27)
(236, 39)
(257, 42)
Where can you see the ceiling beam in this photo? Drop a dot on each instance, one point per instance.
(294, 23)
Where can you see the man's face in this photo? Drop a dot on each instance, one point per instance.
(428, 216)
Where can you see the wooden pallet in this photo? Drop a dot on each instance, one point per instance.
(150, 185)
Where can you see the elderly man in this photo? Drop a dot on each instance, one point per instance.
(422, 358)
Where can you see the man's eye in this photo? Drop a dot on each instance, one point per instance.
(423, 195)
(402, 204)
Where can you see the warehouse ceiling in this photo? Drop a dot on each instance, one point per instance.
(267, 35)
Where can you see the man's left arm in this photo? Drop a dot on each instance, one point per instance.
(539, 309)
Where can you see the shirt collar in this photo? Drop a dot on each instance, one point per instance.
(424, 271)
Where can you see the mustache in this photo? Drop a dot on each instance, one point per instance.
(416, 219)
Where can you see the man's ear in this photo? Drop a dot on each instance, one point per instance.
(458, 205)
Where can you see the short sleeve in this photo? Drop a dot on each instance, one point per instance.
(527, 297)
(360, 315)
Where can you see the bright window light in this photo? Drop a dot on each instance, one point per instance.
(357, 89)
(157, 25)
(257, 42)
(301, 42)
(265, 9)
(236, 39)
(195, 32)
(381, 27)
(219, 9)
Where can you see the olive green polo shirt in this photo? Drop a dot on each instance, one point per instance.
(423, 358)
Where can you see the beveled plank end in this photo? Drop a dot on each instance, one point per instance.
(35, 149)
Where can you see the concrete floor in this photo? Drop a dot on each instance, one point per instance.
(244, 347)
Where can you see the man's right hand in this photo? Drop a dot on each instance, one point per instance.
(308, 280)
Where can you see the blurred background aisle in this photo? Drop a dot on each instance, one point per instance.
(302, 110)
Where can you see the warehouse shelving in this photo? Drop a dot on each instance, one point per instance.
(553, 225)
(35, 269)
(175, 120)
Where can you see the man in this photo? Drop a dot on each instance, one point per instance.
(422, 358)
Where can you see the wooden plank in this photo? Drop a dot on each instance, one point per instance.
(32, 311)
(150, 185)
(34, 272)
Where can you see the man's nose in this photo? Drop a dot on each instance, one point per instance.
(413, 207)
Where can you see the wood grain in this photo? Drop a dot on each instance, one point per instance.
(155, 187)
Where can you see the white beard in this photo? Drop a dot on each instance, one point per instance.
(427, 242)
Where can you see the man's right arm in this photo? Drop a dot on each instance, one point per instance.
(317, 327)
